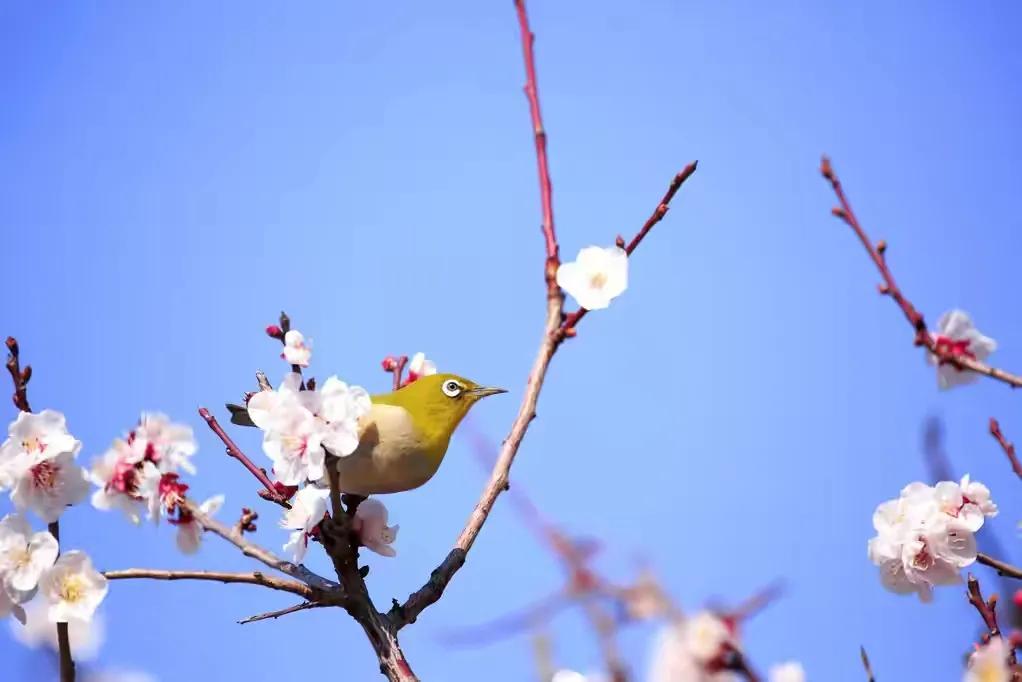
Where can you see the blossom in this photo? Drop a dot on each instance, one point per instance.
(597, 276)
(31, 438)
(692, 649)
(307, 509)
(127, 480)
(86, 637)
(957, 336)
(296, 351)
(24, 555)
(989, 663)
(926, 536)
(568, 676)
(791, 671)
(73, 588)
(8, 607)
(420, 367)
(49, 485)
(299, 427)
(370, 523)
(189, 531)
(168, 445)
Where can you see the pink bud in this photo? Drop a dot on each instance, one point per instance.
(389, 363)
(274, 332)
(1017, 598)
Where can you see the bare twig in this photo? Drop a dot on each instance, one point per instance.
(866, 664)
(1007, 446)
(281, 612)
(234, 451)
(1002, 567)
(246, 522)
(923, 337)
(987, 608)
(253, 578)
(395, 366)
(567, 328)
(20, 377)
(546, 191)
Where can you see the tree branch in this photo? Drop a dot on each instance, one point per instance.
(571, 322)
(20, 377)
(987, 608)
(281, 612)
(923, 337)
(1002, 567)
(271, 494)
(253, 578)
(1007, 446)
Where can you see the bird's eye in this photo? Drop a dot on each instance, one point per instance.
(452, 389)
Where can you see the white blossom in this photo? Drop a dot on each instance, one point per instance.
(72, 588)
(296, 350)
(684, 651)
(127, 481)
(568, 676)
(49, 485)
(24, 555)
(299, 427)
(596, 277)
(989, 663)
(420, 367)
(32, 438)
(791, 671)
(926, 536)
(9, 608)
(957, 336)
(189, 531)
(307, 509)
(36, 630)
(168, 445)
(370, 523)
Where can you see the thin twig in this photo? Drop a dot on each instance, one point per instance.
(987, 608)
(567, 328)
(866, 664)
(20, 377)
(281, 612)
(546, 191)
(1007, 446)
(1002, 567)
(253, 578)
(923, 337)
(235, 452)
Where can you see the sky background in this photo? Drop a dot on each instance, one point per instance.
(172, 175)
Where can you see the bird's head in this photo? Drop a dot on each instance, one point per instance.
(438, 402)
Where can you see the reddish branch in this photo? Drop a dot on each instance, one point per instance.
(567, 328)
(253, 578)
(234, 451)
(987, 608)
(546, 191)
(943, 352)
(396, 367)
(1007, 446)
(20, 377)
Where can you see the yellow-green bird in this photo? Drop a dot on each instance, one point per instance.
(404, 438)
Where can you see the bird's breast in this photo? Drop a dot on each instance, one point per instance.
(391, 455)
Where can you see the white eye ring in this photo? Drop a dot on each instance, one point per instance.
(452, 389)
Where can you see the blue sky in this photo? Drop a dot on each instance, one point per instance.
(174, 174)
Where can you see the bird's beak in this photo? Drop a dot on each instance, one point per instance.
(483, 391)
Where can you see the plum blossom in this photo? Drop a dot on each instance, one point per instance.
(189, 531)
(692, 649)
(957, 336)
(596, 277)
(300, 426)
(24, 556)
(926, 536)
(307, 509)
(420, 367)
(989, 663)
(127, 481)
(32, 438)
(370, 523)
(49, 485)
(791, 671)
(72, 588)
(168, 445)
(9, 608)
(296, 350)
(36, 630)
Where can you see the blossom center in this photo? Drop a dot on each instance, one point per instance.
(44, 474)
(598, 280)
(72, 589)
(33, 444)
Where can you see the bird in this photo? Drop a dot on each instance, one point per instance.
(404, 437)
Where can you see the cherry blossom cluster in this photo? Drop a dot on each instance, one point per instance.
(37, 464)
(301, 424)
(138, 475)
(926, 536)
(702, 648)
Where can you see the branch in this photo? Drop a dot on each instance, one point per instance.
(866, 664)
(305, 605)
(570, 322)
(254, 551)
(234, 451)
(1007, 446)
(253, 578)
(987, 608)
(546, 191)
(20, 377)
(1002, 567)
(923, 337)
